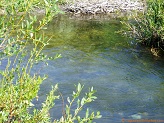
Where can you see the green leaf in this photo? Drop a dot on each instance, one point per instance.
(78, 103)
(68, 99)
(67, 110)
(87, 113)
(79, 87)
(83, 101)
(46, 2)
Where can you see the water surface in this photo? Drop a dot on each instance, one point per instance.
(129, 80)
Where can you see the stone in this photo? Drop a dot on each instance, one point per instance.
(103, 6)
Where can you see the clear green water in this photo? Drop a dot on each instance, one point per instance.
(129, 80)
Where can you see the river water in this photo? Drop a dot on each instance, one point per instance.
(129, 80)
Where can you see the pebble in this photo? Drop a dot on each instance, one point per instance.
(103, 7)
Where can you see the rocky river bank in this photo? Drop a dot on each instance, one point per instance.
(93, 7)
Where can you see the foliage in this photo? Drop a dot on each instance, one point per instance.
(21, 30)
(69, 117)
(149, 28)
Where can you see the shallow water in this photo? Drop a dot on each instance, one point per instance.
(129, 80)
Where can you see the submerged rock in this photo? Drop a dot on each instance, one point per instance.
(136, 116)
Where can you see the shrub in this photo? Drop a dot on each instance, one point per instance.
(149, 27)
(19, 27)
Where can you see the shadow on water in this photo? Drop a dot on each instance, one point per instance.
(128, 79)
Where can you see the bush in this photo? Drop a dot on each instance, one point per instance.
(149, 27)
(19, 27)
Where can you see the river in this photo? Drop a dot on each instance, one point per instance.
(129, 80)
